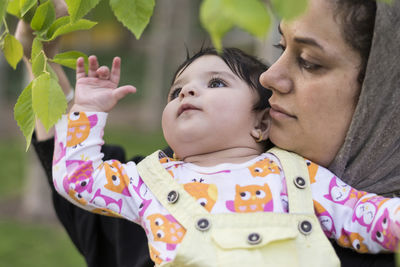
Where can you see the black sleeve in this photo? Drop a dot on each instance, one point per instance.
(103, 241)
(350, 258)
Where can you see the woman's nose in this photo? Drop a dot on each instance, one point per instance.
(277, 77)
(186, 91)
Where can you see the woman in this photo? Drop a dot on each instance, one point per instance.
(325, 110)
(348, 145)
(332, 117)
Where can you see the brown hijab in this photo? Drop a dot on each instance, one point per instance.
(369, 159)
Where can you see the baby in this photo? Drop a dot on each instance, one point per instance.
(220, 201)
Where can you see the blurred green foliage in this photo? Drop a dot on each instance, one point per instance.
(11, 166)
(28, 244)
(35, 245)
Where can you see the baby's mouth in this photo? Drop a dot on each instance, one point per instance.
(186, 107)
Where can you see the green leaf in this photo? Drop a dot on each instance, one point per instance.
(289, 9)
(25, 5)
(38, 64)
(250, 15)
(68, 59)
(13, 8)
(27, 17)
(3, 9)
(63, 26)
(58, 23)
(133, 14)
(79, 8)
(23, 114)
(37, 46)
(215, 21)
(220, 16)
(44, 16)
(48, 100)
(50, 70)
(13, 50)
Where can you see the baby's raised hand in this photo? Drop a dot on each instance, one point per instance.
(98, 91)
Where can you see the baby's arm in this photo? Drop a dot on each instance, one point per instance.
(364, 221)
(81, 176)
(79, 173)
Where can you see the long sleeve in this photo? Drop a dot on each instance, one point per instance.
(102, 241)
(364, 221)
(81, 175)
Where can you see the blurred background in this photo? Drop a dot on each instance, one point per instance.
(30, 234)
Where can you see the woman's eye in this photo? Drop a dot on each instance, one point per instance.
(280, 46)
(174, 94)
(215, 83)
(308, 65)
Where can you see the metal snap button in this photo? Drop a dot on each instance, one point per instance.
(254, 239)
(305, 227)
(203, 224)
(172, 197)
(300, 182)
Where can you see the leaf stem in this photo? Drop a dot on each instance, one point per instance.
(6, 30)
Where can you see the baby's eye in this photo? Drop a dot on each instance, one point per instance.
(215, 83)
(174, 93)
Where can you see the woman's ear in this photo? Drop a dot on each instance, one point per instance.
(260, 132)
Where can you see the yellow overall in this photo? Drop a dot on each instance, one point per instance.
(245, 239)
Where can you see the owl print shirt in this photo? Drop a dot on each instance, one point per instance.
(365, 222)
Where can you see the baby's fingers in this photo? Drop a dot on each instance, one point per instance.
(93, 66)
(103, 73)
(115, 70)
(122, 91)
(80, 68)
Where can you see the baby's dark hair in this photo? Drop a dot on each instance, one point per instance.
(246, 67)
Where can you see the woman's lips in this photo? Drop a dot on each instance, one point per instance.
(186, 107)
(277, 112)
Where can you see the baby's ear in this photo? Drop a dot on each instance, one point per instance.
(260, 131)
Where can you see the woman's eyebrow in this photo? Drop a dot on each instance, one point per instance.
(308, 41)
(304, 40)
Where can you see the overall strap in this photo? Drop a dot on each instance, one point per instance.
(297, 181)
(169, 192)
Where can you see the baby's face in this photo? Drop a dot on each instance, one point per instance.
(209, 109)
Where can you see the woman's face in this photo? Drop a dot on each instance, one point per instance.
(314, 85)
